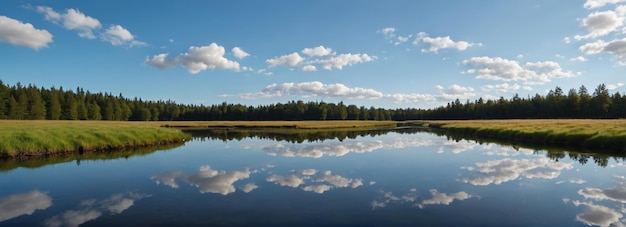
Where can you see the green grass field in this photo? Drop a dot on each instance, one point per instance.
(18, 138)
(609, 134)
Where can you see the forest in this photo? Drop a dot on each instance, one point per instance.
(19, 102)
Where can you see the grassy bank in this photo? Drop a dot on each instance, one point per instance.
(603, 134)
(23, 138)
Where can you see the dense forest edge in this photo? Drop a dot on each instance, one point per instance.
(19, 102)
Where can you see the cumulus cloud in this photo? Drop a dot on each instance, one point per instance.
(93, 209)
(317, 188)
(318, 89)
(342, 60)
(614, 86)
(456, 147)
(118, 35)
(591, 4)
(504, 170)
(616, 47)
(601, 23)
(23, 204)
(320, 55)
(314, 88)
(339, 181)
(17, 33)
(197, 59)
(239, 53)
(437, 43)
(291, 60)
(579, 59)
(86, 26)
(510, 70)
(317, 51)
(505, 88)
(207, 180)
(388, 32)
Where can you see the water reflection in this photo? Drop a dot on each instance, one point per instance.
(92, 209)
(337, 149)
(435, 198)
(207, 180)
(612, 209)
(504, 170)
(318, 183)
(23, 204)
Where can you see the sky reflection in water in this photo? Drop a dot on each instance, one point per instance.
(396, 179)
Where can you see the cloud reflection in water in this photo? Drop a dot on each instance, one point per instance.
(23, 203)
(504, 170)
(206, 179)
(93, 209)
(322, 181)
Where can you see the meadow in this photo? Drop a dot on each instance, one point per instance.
(602, 134)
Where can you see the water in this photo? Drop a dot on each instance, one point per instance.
(383, 179)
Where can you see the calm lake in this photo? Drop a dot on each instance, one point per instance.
(394, 178)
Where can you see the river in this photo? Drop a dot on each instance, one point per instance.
(391, 178)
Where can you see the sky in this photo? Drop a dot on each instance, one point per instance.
(389, 54)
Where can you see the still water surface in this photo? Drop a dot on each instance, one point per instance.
(383, 179)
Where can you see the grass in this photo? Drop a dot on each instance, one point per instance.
(604, 134)
(25, 138)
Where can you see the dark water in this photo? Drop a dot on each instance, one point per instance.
(350, 179)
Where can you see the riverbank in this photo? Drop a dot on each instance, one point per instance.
(32, 138)
(591, 134)
(277, 124)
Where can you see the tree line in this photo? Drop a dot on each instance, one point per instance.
(19, 102)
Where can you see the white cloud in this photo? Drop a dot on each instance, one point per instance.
(411, 98)
(455, 91)
(308, 172)
(239, 53)
(19, 204)
(169, 178)
(443, 198)
(506, 88)
(510, 70)
(339, 181)
(292, 60)
(388, 32)
(402, 39)
(504, 170)
(579, 59)
(342, 60)
(314, 88)
(317, 51)
(196, 60)
(17, 33)
(437, 43)
(591, 4)
(616, 47)
(309, 68)
(600, 24)
(118, 35)
(85, 25)
(614, 86)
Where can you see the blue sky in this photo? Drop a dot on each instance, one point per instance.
(390, 54)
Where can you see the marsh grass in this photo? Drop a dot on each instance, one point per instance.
(18, 138)
(582, 133)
